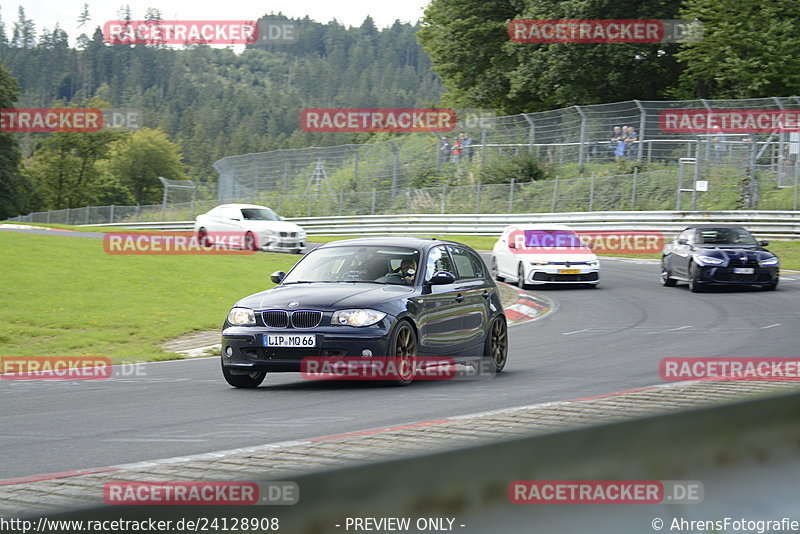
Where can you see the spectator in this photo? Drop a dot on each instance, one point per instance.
(444, 149)
(718, 142)
(467, 144)
(457, 150)
(616, 134)
(631, 137)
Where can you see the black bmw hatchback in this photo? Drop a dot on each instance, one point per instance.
(394, 299)
(707, 254)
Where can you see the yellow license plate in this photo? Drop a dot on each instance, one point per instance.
(569, 271)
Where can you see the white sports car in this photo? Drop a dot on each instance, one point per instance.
(544, 254)
(257, 228)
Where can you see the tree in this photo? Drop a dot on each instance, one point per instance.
(65, 167)
(141, 158)
(13, 187)
(749, 49)
(24, 35)
(469, 46)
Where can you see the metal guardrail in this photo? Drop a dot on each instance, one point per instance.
(765, 224)
(744, 454)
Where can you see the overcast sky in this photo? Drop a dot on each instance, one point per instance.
(46, 13)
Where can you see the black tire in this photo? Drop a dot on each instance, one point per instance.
(666, 280)
(494, 272)
(694, 275)
(250, 242)
(495, 348)
(203, 239)
(403, 349)
(521, 277)
(248, 381)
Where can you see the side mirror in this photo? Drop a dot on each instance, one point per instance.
(234, 218)
(590, 245)
(511, 244)
(278, 276)
(281, 217)
(683, 241)
(442, 278)
(763, 243)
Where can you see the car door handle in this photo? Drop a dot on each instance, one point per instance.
(459, 298)
(485, 294)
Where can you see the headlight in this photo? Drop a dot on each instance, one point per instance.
(709, 260)
(301, 233)
(769, 262)
(539, 262)
(363, 317)
(241, 317)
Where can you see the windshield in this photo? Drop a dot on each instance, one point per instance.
(385, 265)
(259, 214)
(725, 237)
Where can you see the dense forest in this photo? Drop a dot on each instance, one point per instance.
(211, 102)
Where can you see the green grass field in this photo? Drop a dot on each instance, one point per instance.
(64, 296)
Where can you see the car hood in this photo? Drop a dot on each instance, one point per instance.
(277, 226)
(580, 255)
(320, 295)
(734, 253)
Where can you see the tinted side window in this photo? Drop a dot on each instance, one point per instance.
(438, 260)
(468, 266)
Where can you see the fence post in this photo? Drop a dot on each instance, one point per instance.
(591, 193)
(531, 132)
(137, 213)
(555, 196)
(69, 211)
(642, 126)
(48, 215)
(478, 197)
(111, 215)
(341, 202)
(582, 140)
(87, 215)
(310, 204)
(444, 197)
(408, 200)
(483, 143)
(511, 196)
(633, 194)
(374, 194)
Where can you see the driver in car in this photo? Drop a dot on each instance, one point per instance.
(403, 274)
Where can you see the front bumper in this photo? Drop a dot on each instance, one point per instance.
(552, 274)
(248, 352)
(725, 276)
(269, 244)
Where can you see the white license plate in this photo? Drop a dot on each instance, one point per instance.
(743, 270)
(290, 340)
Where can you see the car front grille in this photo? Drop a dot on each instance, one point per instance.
(288, 234)
(736, 262)
(548, 277)
(275, 318)
(306, 319)
(297, 319)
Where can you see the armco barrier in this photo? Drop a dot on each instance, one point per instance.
(765, 224)
(745, 455)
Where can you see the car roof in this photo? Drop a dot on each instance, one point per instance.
(399, 241)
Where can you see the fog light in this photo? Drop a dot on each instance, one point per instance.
(366, 353)
(229, 351)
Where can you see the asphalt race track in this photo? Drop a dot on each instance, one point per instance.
(597, 341)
